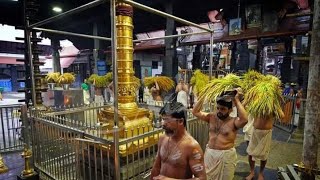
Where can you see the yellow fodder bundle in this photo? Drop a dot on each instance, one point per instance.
(100, 81)
(250, 78)
(137, 83)
(217, 86)
(66, 78)
(273, 80)
(108, 77)
(199, 81)
(164, 83)
(52, 77)
(264, 99)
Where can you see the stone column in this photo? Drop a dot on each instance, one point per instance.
(170, 63)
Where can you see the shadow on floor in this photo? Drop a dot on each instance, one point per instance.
(15, 164)
(242, 149)
(242, 171)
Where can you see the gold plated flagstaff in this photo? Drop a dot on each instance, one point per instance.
(132, 119)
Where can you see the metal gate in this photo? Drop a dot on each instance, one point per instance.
(10, 128)
(290, 113)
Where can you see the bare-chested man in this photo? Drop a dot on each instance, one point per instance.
(220, 155)
(182, 90)
(259, 144)
(179, 155)
(155, 92)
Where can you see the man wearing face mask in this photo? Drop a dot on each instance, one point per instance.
(179, 156)
(220, 155)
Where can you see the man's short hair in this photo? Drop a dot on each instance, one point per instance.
(225, 102)
(176, 110)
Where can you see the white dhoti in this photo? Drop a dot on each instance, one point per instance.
(158, 103)
(220, 164)
(182, 97)
(86, 97)
(259, 144)
(98, 99)
(248, 128)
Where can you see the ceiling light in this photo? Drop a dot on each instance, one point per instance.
(57, 9)
(179, 49)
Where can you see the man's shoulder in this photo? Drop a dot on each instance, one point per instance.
(212, 116)
(162, 138)
(191, 143)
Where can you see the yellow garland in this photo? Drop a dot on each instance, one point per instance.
(164, 83)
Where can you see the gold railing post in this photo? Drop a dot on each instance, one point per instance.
(28, 172)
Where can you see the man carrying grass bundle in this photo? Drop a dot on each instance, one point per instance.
(263, 102)
(259, 144)
(220, 155)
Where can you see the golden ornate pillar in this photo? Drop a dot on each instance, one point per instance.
(126, 88)
(132, 120)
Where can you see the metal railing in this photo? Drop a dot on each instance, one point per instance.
(66, 148)
(10, 128)
(289, 110)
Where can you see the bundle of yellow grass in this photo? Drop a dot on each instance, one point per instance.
(218, 86)
(108, 77)
(66, 78)
(250, 79)
(164, 83)
(264, 99)
(262, 93)
(198, 81)
(136, 82)
(52, 77)
(100, 81)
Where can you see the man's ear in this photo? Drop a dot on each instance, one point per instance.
(181, 120)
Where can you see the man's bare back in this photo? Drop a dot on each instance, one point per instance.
(263, 123)
(182, 87)
(156, 94)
